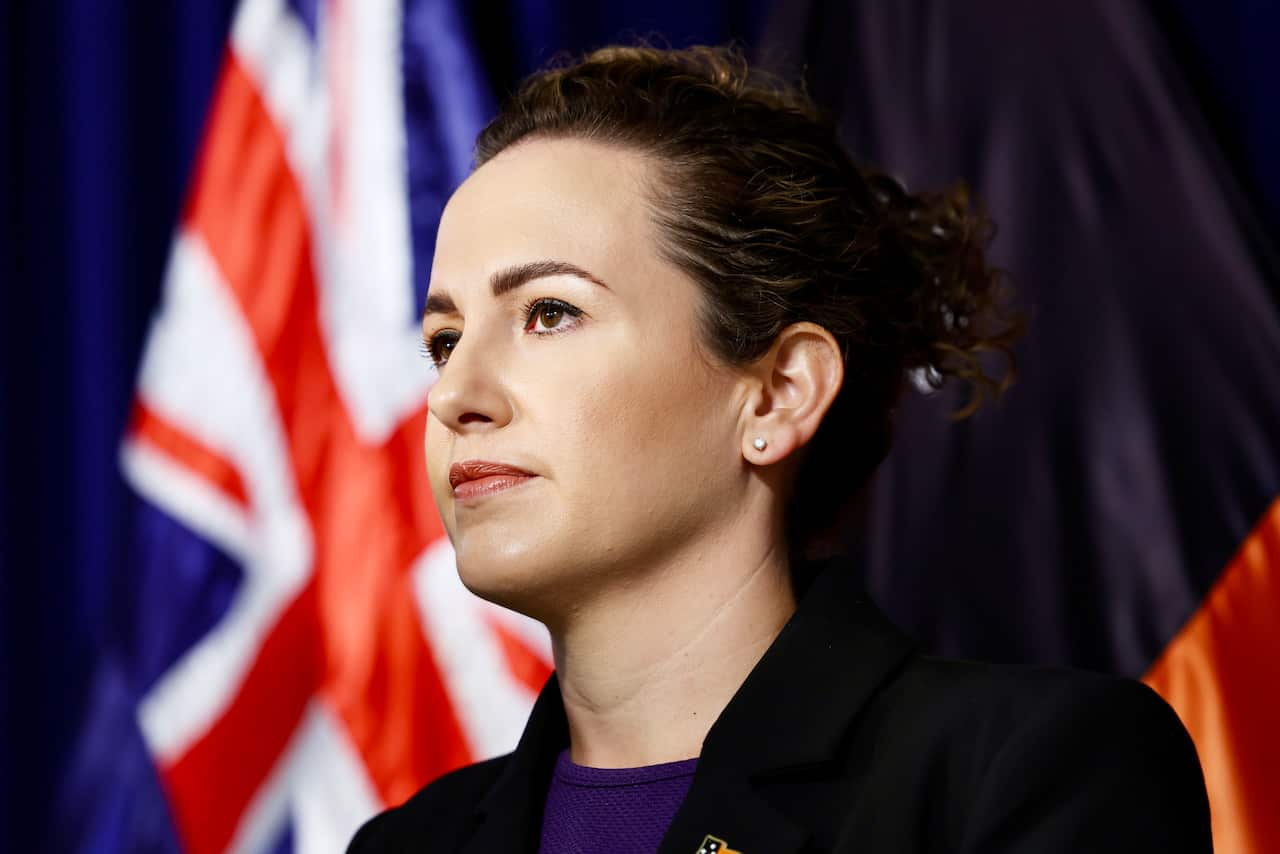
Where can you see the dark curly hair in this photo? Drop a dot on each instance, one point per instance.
(758, 202)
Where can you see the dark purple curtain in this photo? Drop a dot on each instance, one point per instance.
(1081, 520)
(102, 107)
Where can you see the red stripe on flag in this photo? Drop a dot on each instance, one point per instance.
(401, 751)
(370, 512)
(382, 675)
(210, 784)
(196, 457)
(1222, 675)
(523, 663)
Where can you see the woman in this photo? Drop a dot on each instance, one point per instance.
(671, 319)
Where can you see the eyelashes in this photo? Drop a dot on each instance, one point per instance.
(550, 312)
(425, 348)
(542, 316)
(438, 346)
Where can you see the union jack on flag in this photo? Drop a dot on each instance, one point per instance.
(300, 650)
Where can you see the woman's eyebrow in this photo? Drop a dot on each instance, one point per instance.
(438, 303)
(508, 279)
(513, 277)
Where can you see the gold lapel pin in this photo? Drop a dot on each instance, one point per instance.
(715, 845)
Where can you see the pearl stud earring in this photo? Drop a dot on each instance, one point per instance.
(760, 444)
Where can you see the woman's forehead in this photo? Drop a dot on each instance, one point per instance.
(565, 198)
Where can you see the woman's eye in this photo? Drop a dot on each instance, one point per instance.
(439, 346)
(546, 315)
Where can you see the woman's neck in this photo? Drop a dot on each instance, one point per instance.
(646, 670)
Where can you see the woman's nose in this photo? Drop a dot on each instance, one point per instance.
(468, 395)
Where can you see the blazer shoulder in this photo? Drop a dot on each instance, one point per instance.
(1108, 718)
(1015, 697)
(439, 811)
(1067, 754)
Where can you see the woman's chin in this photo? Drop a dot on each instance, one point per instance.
(517, 583)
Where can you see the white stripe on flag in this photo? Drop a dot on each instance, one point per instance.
(332, 794)
(491, 705)
(367, 299)
(202, 374)
(358, 211)
(192, 500)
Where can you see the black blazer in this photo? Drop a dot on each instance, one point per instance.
(844, 739)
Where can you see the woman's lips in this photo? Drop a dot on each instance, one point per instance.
(477, 478)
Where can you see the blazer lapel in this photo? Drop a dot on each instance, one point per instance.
(510, 814)
(800, 699)
(790, 714)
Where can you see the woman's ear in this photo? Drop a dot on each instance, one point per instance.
(791, 388)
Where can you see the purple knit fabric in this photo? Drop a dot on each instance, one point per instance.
(613, 810)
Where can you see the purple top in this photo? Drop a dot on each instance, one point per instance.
(619, 810)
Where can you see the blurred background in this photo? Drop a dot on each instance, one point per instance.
(228, 620)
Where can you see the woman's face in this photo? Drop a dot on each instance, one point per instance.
(571, 353)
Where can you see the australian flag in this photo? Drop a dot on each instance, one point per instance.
(295, 649)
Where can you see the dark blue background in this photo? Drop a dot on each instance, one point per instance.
(103, 106)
